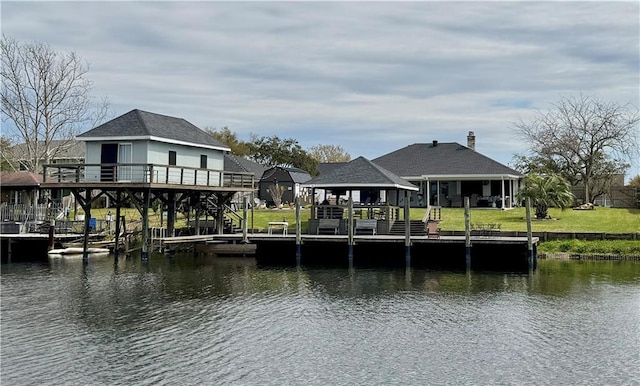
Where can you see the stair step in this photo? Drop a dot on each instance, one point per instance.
(416, 228)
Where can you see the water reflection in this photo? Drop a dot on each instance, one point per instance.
(206, 320)
(99, 287)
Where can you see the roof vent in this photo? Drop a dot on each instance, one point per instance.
(435, 143)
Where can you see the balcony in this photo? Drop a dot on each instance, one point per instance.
(115, 175)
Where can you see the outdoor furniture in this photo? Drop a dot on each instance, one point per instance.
(366, 225)
(433, 230)
(328, 224)
(485, 229)
(277, 224)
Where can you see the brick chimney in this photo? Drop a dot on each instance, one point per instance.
(471, 141)
(434, 142)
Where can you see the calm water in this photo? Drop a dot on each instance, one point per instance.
(227, 321)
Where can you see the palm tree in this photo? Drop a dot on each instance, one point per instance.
(544, 191)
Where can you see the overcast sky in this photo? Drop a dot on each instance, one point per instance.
(371, 77)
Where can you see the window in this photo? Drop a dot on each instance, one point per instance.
(172, 158)
(203, 161)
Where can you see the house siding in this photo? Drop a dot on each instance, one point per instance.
(185, 157)
(93, 151)
(157, 153)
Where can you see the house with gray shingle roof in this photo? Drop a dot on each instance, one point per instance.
(140, 137)
(238, 164)
(289, 178)
(58, 151)
(22, 187)
(447, 172)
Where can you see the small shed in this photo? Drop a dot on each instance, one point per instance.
(286, 178)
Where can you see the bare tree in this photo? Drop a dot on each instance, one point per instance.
(587, 139)
(276, 192)
(46, 97)
(329, 153)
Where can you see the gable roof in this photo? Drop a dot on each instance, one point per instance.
(358, 174)
(442, 159)
(297, 175)
(60, 149)
(143, 125)
(234, 163)
(20, 179)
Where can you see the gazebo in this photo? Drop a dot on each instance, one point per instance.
(359, 189)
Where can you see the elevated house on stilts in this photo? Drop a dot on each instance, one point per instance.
(140, 157)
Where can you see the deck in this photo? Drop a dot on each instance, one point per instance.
(499, 252)
(143, 176)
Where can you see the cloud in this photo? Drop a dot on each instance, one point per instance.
(369, 76)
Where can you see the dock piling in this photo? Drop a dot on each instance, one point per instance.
(407, 229)
(529, 235)
(298, 232)
(467, 233)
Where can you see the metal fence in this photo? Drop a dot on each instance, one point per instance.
(24, 213)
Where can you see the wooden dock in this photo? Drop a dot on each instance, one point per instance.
(495, 251)
(25, 245)
(499, 252)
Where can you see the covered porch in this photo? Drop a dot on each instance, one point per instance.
(490, 191)
(356, 194)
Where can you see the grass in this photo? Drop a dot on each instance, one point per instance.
(607, 220)
(597, 247)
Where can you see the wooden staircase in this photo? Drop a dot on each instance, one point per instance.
(230, 214)
(416, 228)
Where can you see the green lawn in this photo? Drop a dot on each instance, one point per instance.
(609, 220)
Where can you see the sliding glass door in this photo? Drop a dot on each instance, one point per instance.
(124, 157)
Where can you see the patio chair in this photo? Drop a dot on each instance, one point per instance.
(433, 230)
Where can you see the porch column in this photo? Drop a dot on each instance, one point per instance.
(427, 192)
(511, 193)
(502, 192)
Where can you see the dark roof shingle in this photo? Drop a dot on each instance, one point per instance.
(360, 173)
(234, 163)
(138, 123)
(448, 159)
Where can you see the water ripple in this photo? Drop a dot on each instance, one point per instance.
(232, 323)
